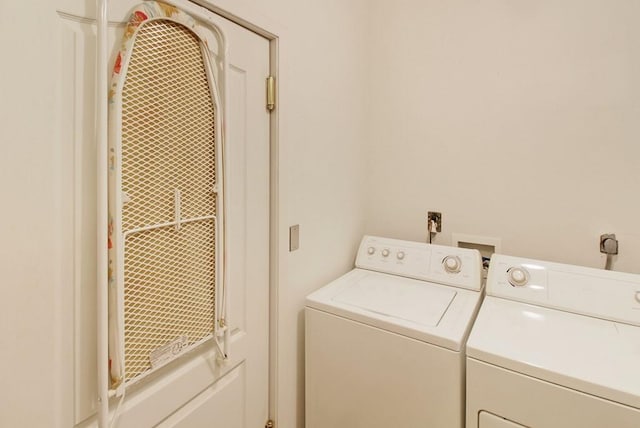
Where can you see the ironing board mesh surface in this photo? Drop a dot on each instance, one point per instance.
(168, 148)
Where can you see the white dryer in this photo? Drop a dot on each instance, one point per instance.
(385, 342)
(555, 346)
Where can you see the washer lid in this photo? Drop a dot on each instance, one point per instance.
(591, 355)
(433, 313)
(406, 299)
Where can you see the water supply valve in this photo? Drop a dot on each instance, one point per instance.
(608, 243)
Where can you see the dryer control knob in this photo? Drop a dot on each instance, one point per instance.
(452, 264)
(400, 255)
(517, 276)
(371, 251)
(385, 253)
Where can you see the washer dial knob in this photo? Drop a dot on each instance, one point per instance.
(517, 276)
(452, 264)
(385, 252)
(371, 251)
(400, 255)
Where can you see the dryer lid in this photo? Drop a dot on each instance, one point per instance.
(401, 298)
(591, 355)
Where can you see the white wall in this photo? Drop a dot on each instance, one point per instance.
(516, 120)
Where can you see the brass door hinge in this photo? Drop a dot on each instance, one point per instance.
(269, 424)
(271, 93)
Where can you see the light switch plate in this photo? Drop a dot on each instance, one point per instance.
(294, 237)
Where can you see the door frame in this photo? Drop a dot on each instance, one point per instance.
(242, 14)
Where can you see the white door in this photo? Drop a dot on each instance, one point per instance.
(48, 252)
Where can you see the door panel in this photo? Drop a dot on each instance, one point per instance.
(77, 80)
(488, 420)
(210, 387)
(247, 189)
(240, 384)
(220, 405)
(49, 255)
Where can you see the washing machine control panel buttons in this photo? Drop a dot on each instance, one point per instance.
(452, 264)
(459, 267)
(374, 253)
(517, 276)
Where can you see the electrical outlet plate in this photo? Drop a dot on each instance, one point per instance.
(437, 218)
(294, 237)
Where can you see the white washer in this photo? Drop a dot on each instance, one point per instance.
(385, 342)
(555, 346)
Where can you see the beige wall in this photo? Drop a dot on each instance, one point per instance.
(323, 135)
(517, 120)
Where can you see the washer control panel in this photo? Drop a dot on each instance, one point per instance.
(452, 264)
(594, 292)
(518, 276)
(460, 267)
